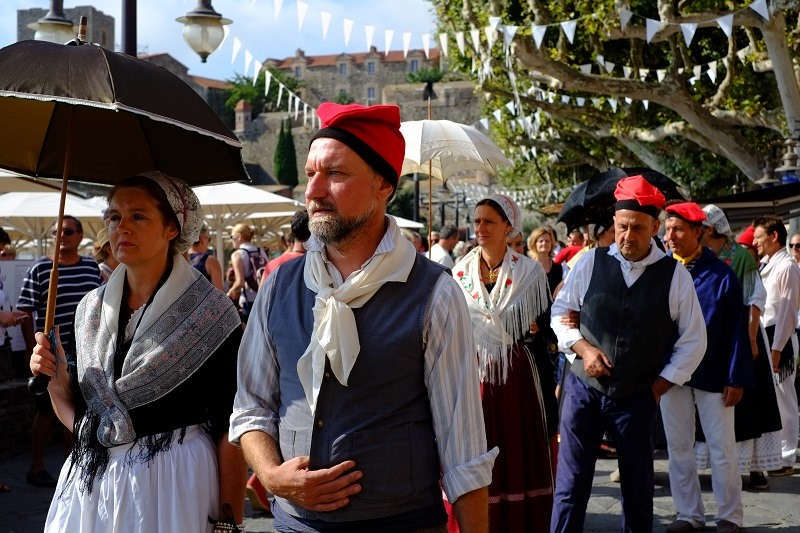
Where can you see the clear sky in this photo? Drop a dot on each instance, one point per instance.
(255, 25)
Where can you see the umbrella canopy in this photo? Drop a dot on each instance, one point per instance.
(127, 117)
(408, 224)
(13, 182)
(741, 209)
(592, 201)
(33, 214)
(452, 148)
(230, 203)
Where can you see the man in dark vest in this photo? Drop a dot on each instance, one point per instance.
(641, 331)
(714, 388)
(358, 386)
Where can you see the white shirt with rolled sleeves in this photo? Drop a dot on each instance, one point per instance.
(781, 277)
(451, 377)
(684, 308)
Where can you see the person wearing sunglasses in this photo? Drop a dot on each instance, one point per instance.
(794, 247)
(77, 276)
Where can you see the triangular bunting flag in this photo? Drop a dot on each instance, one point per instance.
(388, 36)
(726, 23)
(256, 71)
(475, 35)
(628, 100)
(406, 42)
(610, 66)
(460, 42)
(652, 27)
(296, 107)
(305, 114)
(508, 36)
(347, 26)
(494, 23)
(693, 80)
(511, 108)
(513, 126)
(580, 101)
(276, 8)
(646, 104)
(712, 71)
(325, 18)
(643, 73)
(248, 58)
(565, 99)
(596, 101)
(586, 69)
(661, 74)
(491, 36)
(237, 45)
(267, 81)
(760, 7)
(443, 43)
(613, 103)
(569, 29)
(600, 60)
(625, 15)
(280, 95)
(485, 123)
(538, 34)
(681, 70)
(426, 44)
(627, 71)
(697, 70)
(498, 115)
(369, 35)
(688, 29)
(302, 9)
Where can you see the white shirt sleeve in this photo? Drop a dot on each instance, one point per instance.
(690, 347)
(758, 297)
(787, 285)
(451, 377)
(255, 406)
(570, 298)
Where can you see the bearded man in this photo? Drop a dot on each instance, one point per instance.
(358, 386)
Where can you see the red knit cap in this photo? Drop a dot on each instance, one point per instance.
(373, 132)
(688, 211)
(746, 237)
(637, 194)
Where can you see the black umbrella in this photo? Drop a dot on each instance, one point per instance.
(82, 112)
(591, 202)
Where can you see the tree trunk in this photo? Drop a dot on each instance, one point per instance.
(774, 34)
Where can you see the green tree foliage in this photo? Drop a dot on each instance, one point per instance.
(343, 98)
(686, 126)
(244, 89)
(426, 75)
(280, 159)
(289, 176)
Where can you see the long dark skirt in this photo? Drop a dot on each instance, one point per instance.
(521, 493)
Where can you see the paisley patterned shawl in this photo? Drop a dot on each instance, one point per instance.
(187, 321)
(501, 318)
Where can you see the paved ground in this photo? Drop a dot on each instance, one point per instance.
(778, 510)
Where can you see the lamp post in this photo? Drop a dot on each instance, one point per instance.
(54, 26)
(203, 29)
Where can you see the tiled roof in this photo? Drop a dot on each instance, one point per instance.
(394, 56)
(212, 83)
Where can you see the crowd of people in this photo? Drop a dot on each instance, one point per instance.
(372, 380)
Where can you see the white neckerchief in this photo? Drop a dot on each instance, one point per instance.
(335, 333)
(502, 317)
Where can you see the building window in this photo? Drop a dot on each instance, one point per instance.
(414, 65)
(370, 95)
(298, 73)
(370, 67)
(342, 69)
(103, 38)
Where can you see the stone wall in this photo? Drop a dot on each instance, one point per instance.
(261, 138)
(100, 27)
(456, 100)
(16, 416)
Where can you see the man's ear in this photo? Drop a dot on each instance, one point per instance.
(656, 227)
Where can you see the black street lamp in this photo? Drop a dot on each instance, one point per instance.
(54, 26)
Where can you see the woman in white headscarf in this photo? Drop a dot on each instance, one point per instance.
(150, 397)
(506, 292)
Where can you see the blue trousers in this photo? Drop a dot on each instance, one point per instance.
(586, 413)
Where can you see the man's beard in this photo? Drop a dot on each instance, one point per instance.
(333, 228)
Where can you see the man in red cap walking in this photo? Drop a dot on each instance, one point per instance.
(641, 332)
(715, 387)
(358, 391)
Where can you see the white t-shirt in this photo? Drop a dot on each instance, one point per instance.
(441, 256)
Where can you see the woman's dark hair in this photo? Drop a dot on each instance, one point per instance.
(4, 238)
(494, 205)
(157, 194)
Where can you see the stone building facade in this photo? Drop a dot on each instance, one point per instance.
(100, 27)
(361, 76)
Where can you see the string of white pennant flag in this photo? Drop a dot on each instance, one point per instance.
(294, 104)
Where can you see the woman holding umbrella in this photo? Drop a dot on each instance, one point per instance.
(506, 292)
(156, 374)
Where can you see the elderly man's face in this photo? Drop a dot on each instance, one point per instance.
(71, 237)
(632, 232)
(682, 237)
(343, 193)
